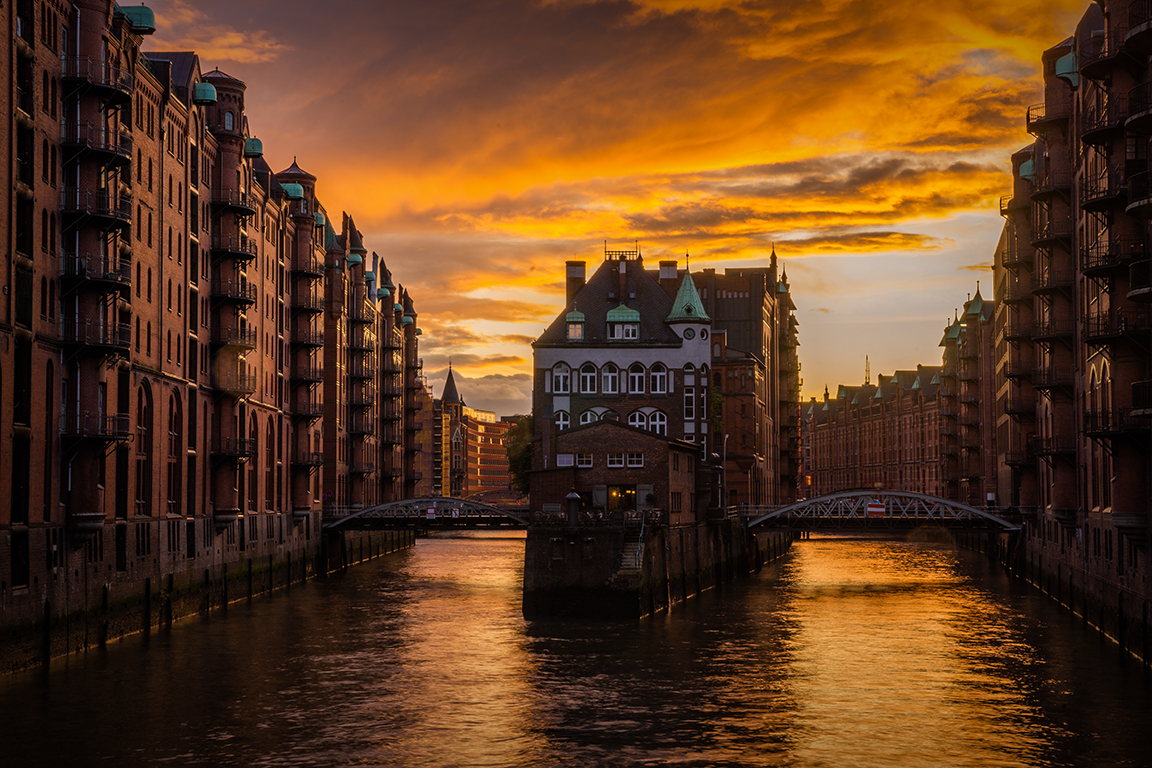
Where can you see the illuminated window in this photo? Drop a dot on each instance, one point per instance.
(615, 460)
(584, 460)
(635, 459)
(575, 331)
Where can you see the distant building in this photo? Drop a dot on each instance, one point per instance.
(471, 453)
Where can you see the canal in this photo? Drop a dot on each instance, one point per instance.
(846, 652)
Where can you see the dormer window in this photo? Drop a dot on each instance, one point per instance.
(623, 323)
(625, 331)
(575, 322)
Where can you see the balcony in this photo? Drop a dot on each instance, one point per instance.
(1043, 117)
(1101, 192)
(97, 336)
(1048, 233)
(234, 200)
(309, 459)
(238, 247)
(240, 338)
(362, 342)
(1139, 37)
(108, 209)
(1052, 280)
(308, 373)
(1109, 326)
(1053, 330)
(1104, 256)
(106, 273)
(1052, 182)
(234, 448)
(1017, 292)
(1016, 254)
(1103, 50)
(390, 413)
(360, 424)
(1140, 195)
(239, 292)
(1098, 121)
(361, 314)
(111, 82)
(234, 383)
(308, 410)
(1017, 330)
(362, 467)
(358, 369)
(306, 337)
(113, 146)
(1018, 406)
(1140, 281)
(307, 302)
(1047, 378)
(309, 265)
(85, 426)
(1113, 423)
(1053, 446)
(366, 398)
(1020, 458)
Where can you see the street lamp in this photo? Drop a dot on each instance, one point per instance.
(724, 482)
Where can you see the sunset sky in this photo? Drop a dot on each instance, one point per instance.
(480, 144)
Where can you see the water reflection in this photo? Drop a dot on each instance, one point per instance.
(843, 653)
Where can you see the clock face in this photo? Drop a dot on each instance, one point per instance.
(703, 334)
(689, 334)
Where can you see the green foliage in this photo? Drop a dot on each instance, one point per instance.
(520, 451)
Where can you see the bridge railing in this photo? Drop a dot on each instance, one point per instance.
(627, 518)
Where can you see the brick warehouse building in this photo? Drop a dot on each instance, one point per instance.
(196, 359)
(470, 454)
(1051, 416)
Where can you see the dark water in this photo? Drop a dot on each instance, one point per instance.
(844, 653)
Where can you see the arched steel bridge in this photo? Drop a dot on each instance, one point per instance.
(879, 510)
(425, 512)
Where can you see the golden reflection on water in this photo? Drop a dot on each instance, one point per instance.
(897, 659)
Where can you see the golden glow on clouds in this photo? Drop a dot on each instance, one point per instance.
(480, 146)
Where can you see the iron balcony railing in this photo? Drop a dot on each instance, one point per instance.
(310, 373)
(309, 459)
(92, 203)
(93, 266)
(1142, 398)
(1103, 423)
(308, 337)
(237, 290)
(1052, 446)
(1115, 323)
(100, 426)
(99, 73)
(234, 198)
(310, 410)
(238, 245)
(1099, 49)
(1051, 377)
(234, 447)
(1053, 329)
(360, 424)
(1140, 280)
(99, 334)
(308, 264)
(234, 382)
(1108, 254)
(1097, 191)
(1041, 115)
(362, 467)
(234, 337)
(1097, 119)
(308, 301)
(98, 138)
(1052, 279)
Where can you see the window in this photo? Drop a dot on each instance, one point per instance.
(636, 379)
(564, 459)
(588, 417)
(689, 403)
(562, 421)
(658, 423)
(228, 119)
(610, 384)
(638, 419)
(575, 331)
(635, 459)
(659, 379)
(615, 460)
(588, 378)
(560, 379)
(584, 460)
(625, 331)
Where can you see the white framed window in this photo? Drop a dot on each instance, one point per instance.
(659, 379)
(615, 460)
(564, 459)
(562, 421)
(689, 403)
(588, 378)
(610, 382)
(584, 460)
(588, 417)
(561, 378)
(658, 423)
(575, 331)
(638, 419)
(635, 459)
(636, 379)
(626, 331)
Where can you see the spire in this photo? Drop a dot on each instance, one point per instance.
(687, 306)
(450, 394)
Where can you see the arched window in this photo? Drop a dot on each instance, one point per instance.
(636, 379)
(588, 378)
(658, 423)
(270, 466)
(610, 383)
(588, 417)
(253, 462)
(51, 299)
(44, 230)
(638, 419)
(562, 421)
(175, 447)
(228, 121)
(561, 378)
(659, 379)
(144, 432)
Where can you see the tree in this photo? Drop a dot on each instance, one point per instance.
(520, 451)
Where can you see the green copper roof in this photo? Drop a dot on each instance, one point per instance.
(406, 320)
(141, 19)
(1068, 69)
(574, 317)
(203, 94)
(951, 332)
(319, 216)
(936, 378)
(623, 314)
(354, 258)
(976, 306)
(253, 148)
(293, 191)
(398, 308)
(382, 293)
(916, 384)
(331, 242)
(687, 306)
(369, 275)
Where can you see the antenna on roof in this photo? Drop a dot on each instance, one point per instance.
(867, 370)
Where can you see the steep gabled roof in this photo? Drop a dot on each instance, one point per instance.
(450, 394)
(687, 305)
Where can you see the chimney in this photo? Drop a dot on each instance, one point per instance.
(575, 273)
(668, 277)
